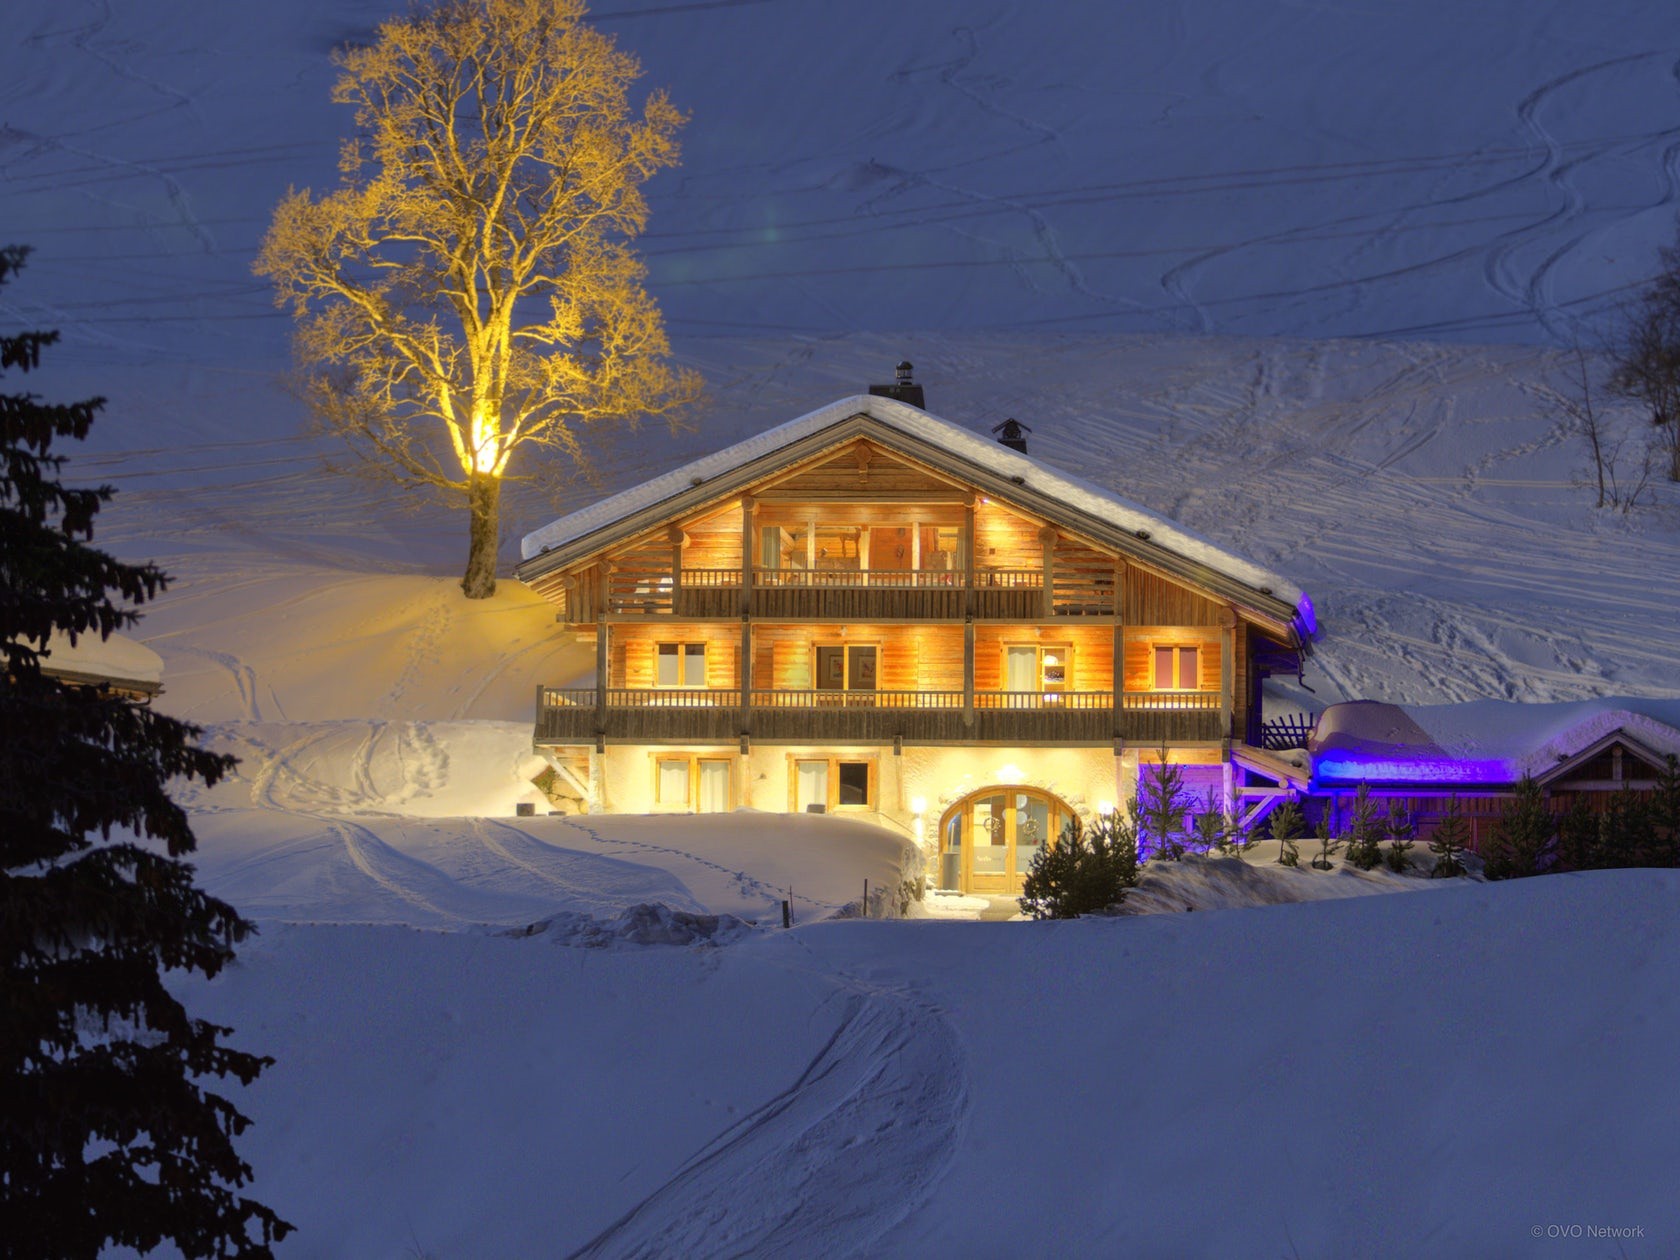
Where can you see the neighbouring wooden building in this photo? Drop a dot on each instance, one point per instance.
(870, 610)
(1419, 757)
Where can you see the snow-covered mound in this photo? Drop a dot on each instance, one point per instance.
(335, 867)
(1219, 883)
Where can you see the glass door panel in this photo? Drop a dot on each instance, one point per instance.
(989, 853)
(1032, 829)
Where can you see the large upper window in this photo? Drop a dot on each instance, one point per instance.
(680, 665)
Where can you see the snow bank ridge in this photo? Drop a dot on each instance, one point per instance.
(642, 924)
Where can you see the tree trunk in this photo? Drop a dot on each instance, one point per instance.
(484, 498)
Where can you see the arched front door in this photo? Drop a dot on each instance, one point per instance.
(988, 839)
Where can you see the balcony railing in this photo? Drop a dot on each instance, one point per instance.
(654, 715)
(838, 594)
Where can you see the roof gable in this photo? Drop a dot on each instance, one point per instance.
(921, 439)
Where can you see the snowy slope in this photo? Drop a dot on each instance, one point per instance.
(1261, 167)
(1377, 1076)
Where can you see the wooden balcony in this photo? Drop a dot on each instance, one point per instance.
(838, 595)
(569, 716)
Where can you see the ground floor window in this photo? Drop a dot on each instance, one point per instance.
(833, 783)
(689, 781)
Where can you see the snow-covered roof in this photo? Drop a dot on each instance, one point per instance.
(117, 658)
(896, 417)
(1483, 741)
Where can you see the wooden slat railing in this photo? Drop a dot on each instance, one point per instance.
(1170, 700)
(819, 716)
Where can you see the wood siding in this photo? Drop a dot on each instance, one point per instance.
(633, 647)
(1092, 652)
(1152, 600)
(862, 470)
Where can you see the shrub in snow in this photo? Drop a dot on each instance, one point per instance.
(107, 1133)
(1288, 826)
(1397, 857)
(1213, 830)
(1327, 846)
(1162, 811)
(1365, 831)
(1524, 838)
(1085, 870)
(1451, 837)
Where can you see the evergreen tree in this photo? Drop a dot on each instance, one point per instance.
(1211, 829)
(1524, 837)
(1627, 830)
(1162, 810)
(1085, 870)
(1578, 837)
(1397, 857)
(1288, 826)
(1327, 846)
(1365, 831)
(1451, 838)
(1665, 813)
(106, 1136)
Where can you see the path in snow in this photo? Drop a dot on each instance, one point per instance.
(831, 1164)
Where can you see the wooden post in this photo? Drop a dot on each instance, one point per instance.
(748, 516)
(540, 716)
(601, 661)
(678, 541)
(1227, 670)
(1047, 540)
(968, 671)
(1119, 683)
(746, 675)
(968, 562)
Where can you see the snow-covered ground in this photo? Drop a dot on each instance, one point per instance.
(1045, 208)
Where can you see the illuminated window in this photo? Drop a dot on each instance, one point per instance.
(680, 665)
(833, 783)
(1177, 668)
(687, 781)
(1035, 667)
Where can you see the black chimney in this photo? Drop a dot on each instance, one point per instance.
(903, 388)
(1012, 433)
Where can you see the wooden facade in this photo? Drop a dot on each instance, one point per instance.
(868, 593)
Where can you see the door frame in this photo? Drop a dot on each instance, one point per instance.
(1009, 882)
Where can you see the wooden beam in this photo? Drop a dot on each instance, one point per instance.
(748, 521)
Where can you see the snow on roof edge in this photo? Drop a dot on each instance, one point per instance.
(913, 422)
(1479, 741)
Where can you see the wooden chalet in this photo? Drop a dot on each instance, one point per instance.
(872, 610)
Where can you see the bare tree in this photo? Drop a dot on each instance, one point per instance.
(1646, 354)
(1576, 405)
(467, 290)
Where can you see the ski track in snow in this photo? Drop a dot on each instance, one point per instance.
(828, 1166)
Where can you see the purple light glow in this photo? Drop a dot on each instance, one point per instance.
(1348, 767)
(1309, 619)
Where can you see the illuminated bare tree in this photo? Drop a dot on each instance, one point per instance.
(468, 290)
